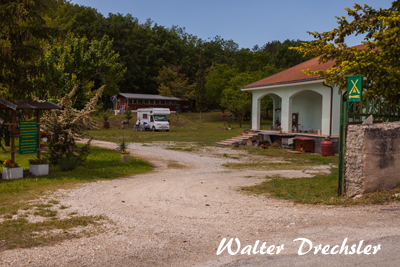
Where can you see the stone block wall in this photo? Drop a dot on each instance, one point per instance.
(372, 159)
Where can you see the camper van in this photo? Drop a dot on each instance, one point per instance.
(154, 118)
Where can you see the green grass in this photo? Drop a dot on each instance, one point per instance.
(101, 164)
(321, 189)
(185, 127)
(19, 233)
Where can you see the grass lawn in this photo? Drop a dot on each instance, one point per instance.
(16, 231)
(184, 127)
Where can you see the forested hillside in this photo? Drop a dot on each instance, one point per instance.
(84, 48)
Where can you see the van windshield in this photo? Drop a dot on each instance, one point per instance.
(160, 118)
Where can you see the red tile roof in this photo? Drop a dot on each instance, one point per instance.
(295, 74)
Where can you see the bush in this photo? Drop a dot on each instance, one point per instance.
(68, 163)
(36, 161)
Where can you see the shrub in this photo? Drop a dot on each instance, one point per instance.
(68, 163)
(36, 161)
(68, 125)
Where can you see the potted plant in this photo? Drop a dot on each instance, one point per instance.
(12, 170)
(125, 155)
(38, 167)
(43, 137)
(105, 116)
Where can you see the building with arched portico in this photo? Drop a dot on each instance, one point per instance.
(302, 104)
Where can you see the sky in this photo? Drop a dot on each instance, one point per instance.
(247, 23)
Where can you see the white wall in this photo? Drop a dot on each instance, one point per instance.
(288, 93)
(308, 104)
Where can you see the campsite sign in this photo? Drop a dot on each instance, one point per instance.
(28, 137)
(354, 88)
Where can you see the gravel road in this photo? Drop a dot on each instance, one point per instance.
(178, 215)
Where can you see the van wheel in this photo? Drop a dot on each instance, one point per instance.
(167, 130)
(154, 129)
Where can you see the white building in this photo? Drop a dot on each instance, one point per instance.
(301, 102)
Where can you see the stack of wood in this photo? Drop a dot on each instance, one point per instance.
(277, 144)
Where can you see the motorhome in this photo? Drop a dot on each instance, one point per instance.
(153, 118)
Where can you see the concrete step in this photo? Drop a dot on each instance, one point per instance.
(225, 143)
(240, 137)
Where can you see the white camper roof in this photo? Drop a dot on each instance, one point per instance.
(155, 111)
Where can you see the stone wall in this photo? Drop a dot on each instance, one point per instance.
(372, 159)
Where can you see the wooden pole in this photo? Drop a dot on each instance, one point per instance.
(38, 133)
(12, 136)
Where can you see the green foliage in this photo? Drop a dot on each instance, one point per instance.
(128, 113)
(22, 28)
(173, 83)
(217, 80)
(68, 125)
(37, 161)
(82, 64)
(200, 85)
(123, 146)
(239, 102)
(377, 61)
(68, 163)
(105, 116)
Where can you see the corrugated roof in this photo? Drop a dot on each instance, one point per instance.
(4, 104)
(146, 96)
(295, 74)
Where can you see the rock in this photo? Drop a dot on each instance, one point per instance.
(357, 197)
(369, 120)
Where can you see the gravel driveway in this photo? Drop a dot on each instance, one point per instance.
(177, 216)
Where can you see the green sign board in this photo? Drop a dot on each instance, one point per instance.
(354, 88)
(28, 137)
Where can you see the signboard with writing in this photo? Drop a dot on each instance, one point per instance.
(28, 137)
(354, 88)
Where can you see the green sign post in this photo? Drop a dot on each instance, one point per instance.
(354, 88)
(28, 137)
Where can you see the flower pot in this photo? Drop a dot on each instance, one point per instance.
(125, 157)
(43, 145)
(39, 170)
(43, 139)
(12, 173)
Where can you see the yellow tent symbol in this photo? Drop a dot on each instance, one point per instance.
(354, 89)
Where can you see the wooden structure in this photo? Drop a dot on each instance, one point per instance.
(14, 106)
(136, 101)
(305, 144)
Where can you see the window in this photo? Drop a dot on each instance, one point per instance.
(145, 116)
(134, 101)
(157, 101)
(139, 101)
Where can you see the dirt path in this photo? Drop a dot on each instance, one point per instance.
(178, 215)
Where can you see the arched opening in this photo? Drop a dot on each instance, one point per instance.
(306, 111)
(270, 110)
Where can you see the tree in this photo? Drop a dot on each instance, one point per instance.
(217, 79)
(173, 83)
(239, 102)
(378, 61)
(201, 85)
(22, 28)
(128, 113)
(68, 125)
(78, 62)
